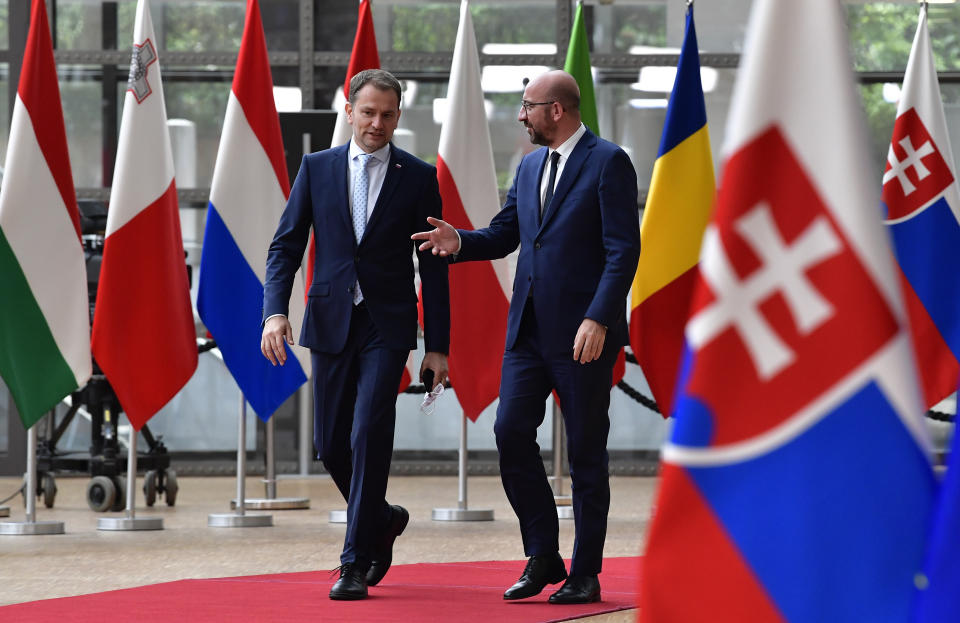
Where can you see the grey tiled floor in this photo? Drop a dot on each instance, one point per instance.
(86, 560)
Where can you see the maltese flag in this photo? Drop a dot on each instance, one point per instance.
(247, 196)
(143, 333)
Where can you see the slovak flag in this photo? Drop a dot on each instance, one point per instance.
(922, 203)
(143, 333)
(247, 196)
(796, 484)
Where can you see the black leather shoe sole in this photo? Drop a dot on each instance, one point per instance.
(347, 595)
(381, 564)
(574, 599)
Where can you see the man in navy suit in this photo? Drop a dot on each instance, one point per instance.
(573, 212)
(364, 201)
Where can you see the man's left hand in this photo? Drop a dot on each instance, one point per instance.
(438, 363)
(588, 344)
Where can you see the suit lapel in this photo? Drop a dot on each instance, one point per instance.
(340, 186)
(533, 188)
(390, 183)
(570, 171)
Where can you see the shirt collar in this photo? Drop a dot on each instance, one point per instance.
(566, 147)
(381, 155)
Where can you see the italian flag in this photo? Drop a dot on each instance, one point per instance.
(44, 311)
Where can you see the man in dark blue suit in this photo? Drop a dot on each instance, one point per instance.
(573, 212)
(364, 201)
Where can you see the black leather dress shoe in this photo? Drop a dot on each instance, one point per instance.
(578, 589)
(383, 556)
(540, 571)
(351, 585)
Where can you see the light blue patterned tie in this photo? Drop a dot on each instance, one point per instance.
(361, 187)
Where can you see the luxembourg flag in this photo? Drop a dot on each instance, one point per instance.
(922, 202)
(796, 485)
(44, 310)
(143, 333)
(247, 195)
(468, 187)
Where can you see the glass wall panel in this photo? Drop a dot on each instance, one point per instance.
(203, 105)
(406, 26)
(4, 113)
(79, 25)
(881, 34)
(4, 28)
(81, 94)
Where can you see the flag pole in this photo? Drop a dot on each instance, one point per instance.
(564, 502)
(239, 519)
(462, 512)
(131, 521)
(271, 501)
(30, 526)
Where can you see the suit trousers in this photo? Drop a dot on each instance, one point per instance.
(355, 401)
(527, 379)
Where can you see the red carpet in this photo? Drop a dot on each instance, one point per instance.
(463, 592)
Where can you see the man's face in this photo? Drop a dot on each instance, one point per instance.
(374, 116)
(539, 118)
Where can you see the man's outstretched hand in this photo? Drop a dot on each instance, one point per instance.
(442, 241)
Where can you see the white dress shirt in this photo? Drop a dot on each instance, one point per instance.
(376, 172)
(565, 149)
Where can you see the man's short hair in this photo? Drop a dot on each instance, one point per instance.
(568, 98)
(379, 78)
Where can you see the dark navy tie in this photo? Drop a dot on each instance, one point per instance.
(554, 158)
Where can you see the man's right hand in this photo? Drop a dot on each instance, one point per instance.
(443, 240)
(276, 331)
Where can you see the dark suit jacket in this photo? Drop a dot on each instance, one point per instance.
(383, 260)
(580, 261)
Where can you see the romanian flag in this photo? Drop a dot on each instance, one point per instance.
(678, 206)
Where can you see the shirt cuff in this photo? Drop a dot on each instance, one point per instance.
(273, 316)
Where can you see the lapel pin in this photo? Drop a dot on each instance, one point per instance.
(397, 165)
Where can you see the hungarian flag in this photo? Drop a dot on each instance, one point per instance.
(44, 309)
(143, 332)
(468, 186)
(796, 483)
(920, 194)
(247, 196)
(678, 206)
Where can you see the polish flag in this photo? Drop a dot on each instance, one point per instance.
(44, 310)
(143, 333)
(468, 186)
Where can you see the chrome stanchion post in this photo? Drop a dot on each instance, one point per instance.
(31, 525)
(131, 521)
(462, 513)
(239, 519)
(564, 502)
(271, 501)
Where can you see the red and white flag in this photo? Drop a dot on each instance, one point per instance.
(44, 311)
(143, 333)
(479, 298)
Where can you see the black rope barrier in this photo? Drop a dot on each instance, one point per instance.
(651, 404)
(15, 494)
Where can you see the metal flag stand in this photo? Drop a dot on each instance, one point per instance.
(461, 512)
(271, 501)
(239, 519)
(564, 502)
(131, 521)
(31, 525)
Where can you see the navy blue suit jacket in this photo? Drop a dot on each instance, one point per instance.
(581, 259)
(382, 261)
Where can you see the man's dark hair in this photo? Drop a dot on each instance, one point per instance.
(379, 78)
